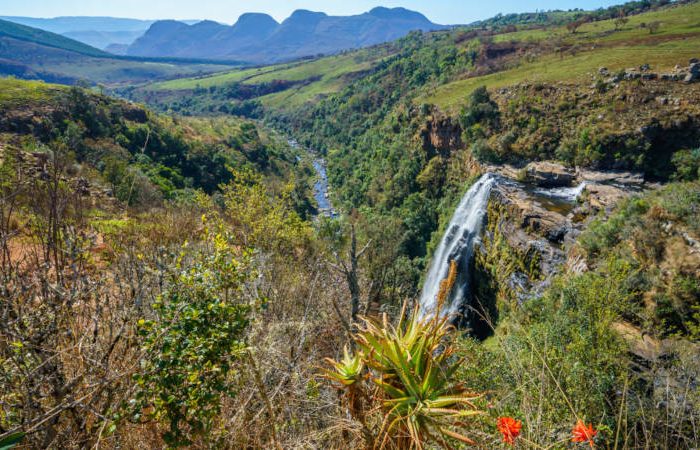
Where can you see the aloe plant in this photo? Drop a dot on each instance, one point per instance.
(409, 380)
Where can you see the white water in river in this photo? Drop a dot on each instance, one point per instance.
(570, 194)
(457, 244)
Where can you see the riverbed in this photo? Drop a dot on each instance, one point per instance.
(321, 187)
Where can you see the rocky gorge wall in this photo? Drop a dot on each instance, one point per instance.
(534, 218)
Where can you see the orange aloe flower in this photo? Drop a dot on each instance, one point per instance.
(583, 433)
(509, 428)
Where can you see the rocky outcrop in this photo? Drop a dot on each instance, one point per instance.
(441, 135)
(532, 217)
(609, 176)
(688, 74)
(549, 174)
(602, 197)
(532, 228)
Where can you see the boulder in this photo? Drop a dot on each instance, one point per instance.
(134, 113)
(610, 176)
(604, 196)
(548, 174)
(531, 217)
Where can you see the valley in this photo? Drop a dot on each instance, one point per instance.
(479, 236)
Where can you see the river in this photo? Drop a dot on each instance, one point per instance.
(321, 187)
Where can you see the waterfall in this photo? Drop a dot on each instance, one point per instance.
(457, 244)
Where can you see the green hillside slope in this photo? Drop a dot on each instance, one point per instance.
(298, 82)
(21, 32)
(568, 57)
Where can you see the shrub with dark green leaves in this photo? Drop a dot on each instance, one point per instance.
(480, 116)
(192, 347)
(687, 164)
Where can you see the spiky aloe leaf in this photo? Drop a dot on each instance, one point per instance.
(11, 440)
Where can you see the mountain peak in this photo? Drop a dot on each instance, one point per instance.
(206, 24)
(254, 26)
(382, 12)
(255, 20)
(306, 13)
(161, 26)
(304, 16)
(258, 38)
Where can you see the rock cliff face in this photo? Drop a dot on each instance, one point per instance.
(633, 125)
(441, 135)
(532, 225)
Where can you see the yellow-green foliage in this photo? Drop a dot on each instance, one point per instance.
(263, 219)
(17, 93)
(556, 359)
(655, 234)
(194, 342)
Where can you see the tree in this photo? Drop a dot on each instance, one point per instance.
(654, 26)
(621, 20)
(481, 116)
(573, 26)
(347, 265)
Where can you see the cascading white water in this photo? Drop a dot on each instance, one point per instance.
(457, 245)
(570, 194)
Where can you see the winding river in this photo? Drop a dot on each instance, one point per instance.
(321, 187)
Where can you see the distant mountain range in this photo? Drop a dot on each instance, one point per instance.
(258, 38)
(31, 53)
(98, 32)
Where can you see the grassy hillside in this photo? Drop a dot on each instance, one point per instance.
(308, 80)
(19, 93)
(140, 154)
(575, 58)
(522, 48)
(30, 60)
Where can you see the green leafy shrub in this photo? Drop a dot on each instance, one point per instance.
(192, 347)
(480, 116)
(687, 165)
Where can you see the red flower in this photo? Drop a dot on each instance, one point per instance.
(509, 428)
(583, 433)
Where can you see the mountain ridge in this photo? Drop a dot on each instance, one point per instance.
(96, 31)
(259, 38)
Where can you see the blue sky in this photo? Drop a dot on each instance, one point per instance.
(227, 11)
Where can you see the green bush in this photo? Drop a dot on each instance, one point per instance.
(687, 165)
(192, 346)
(481, 111)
